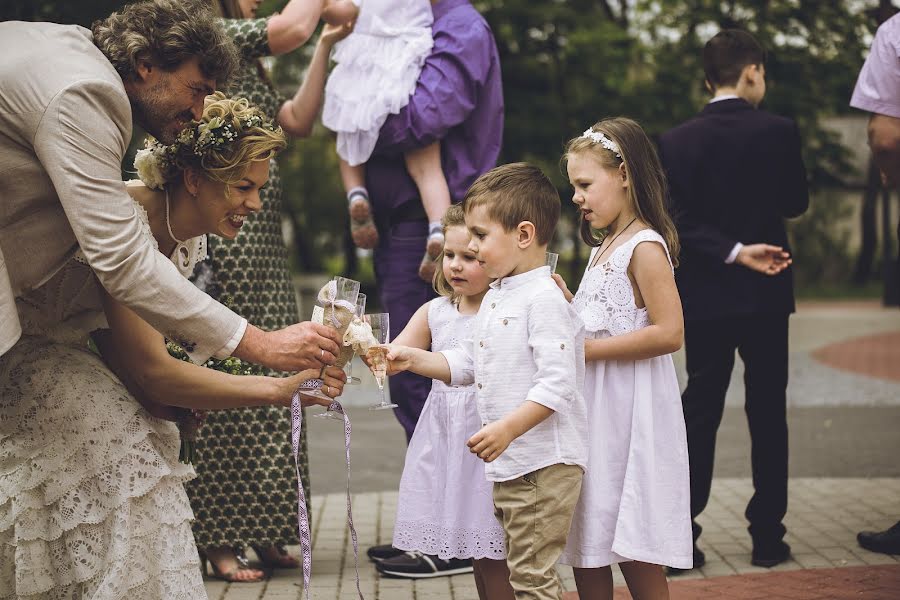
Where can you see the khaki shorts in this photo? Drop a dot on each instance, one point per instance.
(536, 513)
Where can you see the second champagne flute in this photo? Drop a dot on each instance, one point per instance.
(360, 311)
(377, 355)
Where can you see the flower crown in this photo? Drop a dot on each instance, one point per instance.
(600, 138)
(155, 161)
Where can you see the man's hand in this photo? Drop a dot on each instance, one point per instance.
(302, 346)
(764, 258)
(884, 140)
(491, 441)
(561, 284)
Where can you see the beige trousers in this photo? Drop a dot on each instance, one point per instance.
(536, 513)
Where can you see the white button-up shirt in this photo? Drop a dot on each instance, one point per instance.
(527, 344)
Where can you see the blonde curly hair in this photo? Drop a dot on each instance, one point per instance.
(230, 136)
(166, 33)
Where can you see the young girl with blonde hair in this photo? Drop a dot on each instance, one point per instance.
(445, 511)
(634, 508)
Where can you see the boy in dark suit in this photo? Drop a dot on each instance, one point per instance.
(735, 173)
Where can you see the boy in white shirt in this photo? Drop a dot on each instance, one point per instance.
(526, 359)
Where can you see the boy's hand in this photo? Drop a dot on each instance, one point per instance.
(561, 283)
(764, 258)
(491, 441)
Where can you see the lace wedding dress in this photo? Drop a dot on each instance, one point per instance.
(92, 502)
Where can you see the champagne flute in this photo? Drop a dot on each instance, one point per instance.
(360, 311)
(552, 258)
(335, 314)
(377, 355)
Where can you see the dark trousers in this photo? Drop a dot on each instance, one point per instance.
(401, 291)
(762, 343)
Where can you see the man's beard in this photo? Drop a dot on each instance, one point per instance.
(154, 112)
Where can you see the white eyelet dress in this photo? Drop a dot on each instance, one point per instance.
(445, 506)
(635, 497)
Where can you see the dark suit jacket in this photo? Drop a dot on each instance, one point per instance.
(735, 173)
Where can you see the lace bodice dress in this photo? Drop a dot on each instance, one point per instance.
(635, 496)
(92, 503)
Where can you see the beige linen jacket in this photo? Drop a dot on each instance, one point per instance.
(65, 124)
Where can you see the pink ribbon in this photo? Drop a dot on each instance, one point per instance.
(302, 510)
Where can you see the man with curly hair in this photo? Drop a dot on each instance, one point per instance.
(67, 99)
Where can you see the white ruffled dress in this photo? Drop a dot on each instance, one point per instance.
(377, 68)
(635, 497)
(445, 506)
(92, 502)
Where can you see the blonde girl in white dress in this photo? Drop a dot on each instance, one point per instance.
(378, 66)
(445, 507)
(634, 508)
(92, 499)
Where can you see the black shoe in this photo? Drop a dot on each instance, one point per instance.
(769, 555)
(886, 542)
(415, 565)
(379, 553)
(699, 561)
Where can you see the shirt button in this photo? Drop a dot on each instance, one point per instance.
(479, 386)
(481, 344)
(562, 346)
(493, 305)
(505, 322)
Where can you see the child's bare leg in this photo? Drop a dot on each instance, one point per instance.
(645, 581)
(424, 166)
(492, 580)
(594, 584)
(362, 228)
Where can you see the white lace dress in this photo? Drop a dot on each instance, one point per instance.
(377, 68)
(635, 498)
(92, 503)
(445, 506)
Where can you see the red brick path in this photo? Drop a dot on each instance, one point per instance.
(873, 355)
(856, 583)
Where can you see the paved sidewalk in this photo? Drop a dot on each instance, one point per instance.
(823, 519)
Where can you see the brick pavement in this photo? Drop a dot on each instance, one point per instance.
(823, 518)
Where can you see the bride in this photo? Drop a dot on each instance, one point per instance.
(92, 503)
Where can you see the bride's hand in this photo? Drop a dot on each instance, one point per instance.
(333, 379)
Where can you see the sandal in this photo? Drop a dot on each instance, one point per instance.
(362, 226)
(433, 247)
(231, 575)
(276, 557)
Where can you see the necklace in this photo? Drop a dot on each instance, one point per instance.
(613, 241)
(181, 255)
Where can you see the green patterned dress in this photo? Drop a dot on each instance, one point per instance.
(245, 491)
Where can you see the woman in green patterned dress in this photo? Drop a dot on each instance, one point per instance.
(245, 493)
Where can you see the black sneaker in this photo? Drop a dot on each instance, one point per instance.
(415, 565)
(379, 553)
(886, 542)
(699, 561)
(769, 555)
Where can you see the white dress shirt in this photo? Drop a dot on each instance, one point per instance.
(527, 344)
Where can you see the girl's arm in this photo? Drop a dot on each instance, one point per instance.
(416, 334)
(138, 351)
(291, 28)
(298, 114)
(656, 285)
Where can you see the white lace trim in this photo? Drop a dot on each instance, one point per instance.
(450, 542)
(605, 299)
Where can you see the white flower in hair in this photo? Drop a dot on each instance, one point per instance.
(146, 162)
(599, 138)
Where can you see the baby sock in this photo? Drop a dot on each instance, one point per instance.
(435, 228)
(357, 191)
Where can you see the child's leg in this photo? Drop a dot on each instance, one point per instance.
(362, 227)
(424, 166)
(492, 580)
(645, 581)
(594, 584)
(536, 513)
